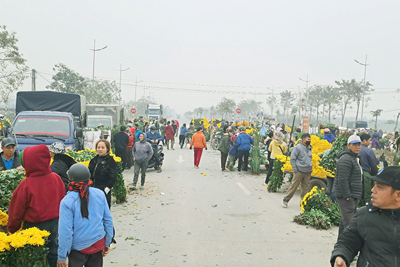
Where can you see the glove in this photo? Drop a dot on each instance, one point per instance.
(190, 148)
(106, 190)
(206, 148)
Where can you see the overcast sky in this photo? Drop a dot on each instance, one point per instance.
(227, 45)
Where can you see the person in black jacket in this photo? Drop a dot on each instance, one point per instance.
(61, 162)
(373, 229)
(121, 140)
(104, 169)
(9, 158)
(348, 180)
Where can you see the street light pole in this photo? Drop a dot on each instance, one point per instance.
(94, 57)
(120, 75)
(365, 77)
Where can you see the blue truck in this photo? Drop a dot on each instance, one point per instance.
(45, 117)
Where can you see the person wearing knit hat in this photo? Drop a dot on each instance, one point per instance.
(85, 231)
(61, 162)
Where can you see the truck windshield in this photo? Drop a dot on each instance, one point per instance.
(94, 122)
(46, 125)
(153, 112)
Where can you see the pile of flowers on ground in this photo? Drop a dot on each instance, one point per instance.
(318, 211)
(24, 248)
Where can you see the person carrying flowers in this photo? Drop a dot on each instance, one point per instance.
(85, 231)
(36, 200)
(276, 147)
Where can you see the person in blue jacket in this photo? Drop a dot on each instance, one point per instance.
(85, 231)
(328, 136)
(154, 137)
(243, 144)
(182, 135)
(137, 133)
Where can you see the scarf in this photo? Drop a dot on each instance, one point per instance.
(83, 189)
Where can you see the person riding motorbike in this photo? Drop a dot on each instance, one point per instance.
(154, 137)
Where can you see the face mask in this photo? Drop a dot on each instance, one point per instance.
(308, 143)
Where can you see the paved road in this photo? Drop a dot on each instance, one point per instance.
(205, 217)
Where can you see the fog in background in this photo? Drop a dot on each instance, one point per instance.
(206, 47)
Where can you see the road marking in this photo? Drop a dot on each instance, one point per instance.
(247, 192)
(180, 160)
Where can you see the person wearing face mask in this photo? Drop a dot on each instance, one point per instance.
(348, 180)
(301, 161)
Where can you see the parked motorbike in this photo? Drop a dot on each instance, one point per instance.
(217, 138)
(152, 161)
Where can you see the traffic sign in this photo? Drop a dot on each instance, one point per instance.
(238, 111)
(133, 110)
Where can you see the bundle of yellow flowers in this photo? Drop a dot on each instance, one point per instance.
(308, 196)
(3, 218)
(246, 123)
(250, 131)
(24, 248)
(317, 171)
(318, 145)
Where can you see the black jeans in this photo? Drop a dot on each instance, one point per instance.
(123, 155)
(347, 209)
(78, 259)
(270, 166)
(223, 160)
(181, 140)
(129, 155)
(243, 159)
(140, 167)
(52, 227)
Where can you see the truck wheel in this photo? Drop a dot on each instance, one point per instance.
(320, 183)
(214, 144)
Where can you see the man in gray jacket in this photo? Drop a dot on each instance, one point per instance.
(301, 161)
(142, 153)
(348, 180)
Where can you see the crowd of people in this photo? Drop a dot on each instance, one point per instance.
(84, 233)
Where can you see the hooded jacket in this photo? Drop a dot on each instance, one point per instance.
(142, 151)
(61, 164)
(372, 231)
(37, 198)
(104, 171)
(301, 158)
(348, 178)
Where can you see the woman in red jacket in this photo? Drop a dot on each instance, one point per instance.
(169, 135)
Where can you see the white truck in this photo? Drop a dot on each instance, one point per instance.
(107, 115)
(154, 112)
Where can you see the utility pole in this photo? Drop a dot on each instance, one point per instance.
(306, 81)
(365, 85)
(120, 74)
(33, 80)
(94, 57)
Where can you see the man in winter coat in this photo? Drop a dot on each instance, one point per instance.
(348, 180)
(182, 135)
(154, 137)
(301, 161)
(369, 164)
(373, 230)
(9, 158)
(243, 144)
(224, 147)
(142, 153)
(169, 135)
(198, 142)
(121, 140)
(61, 162)
(85, 231)
(36, 200)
